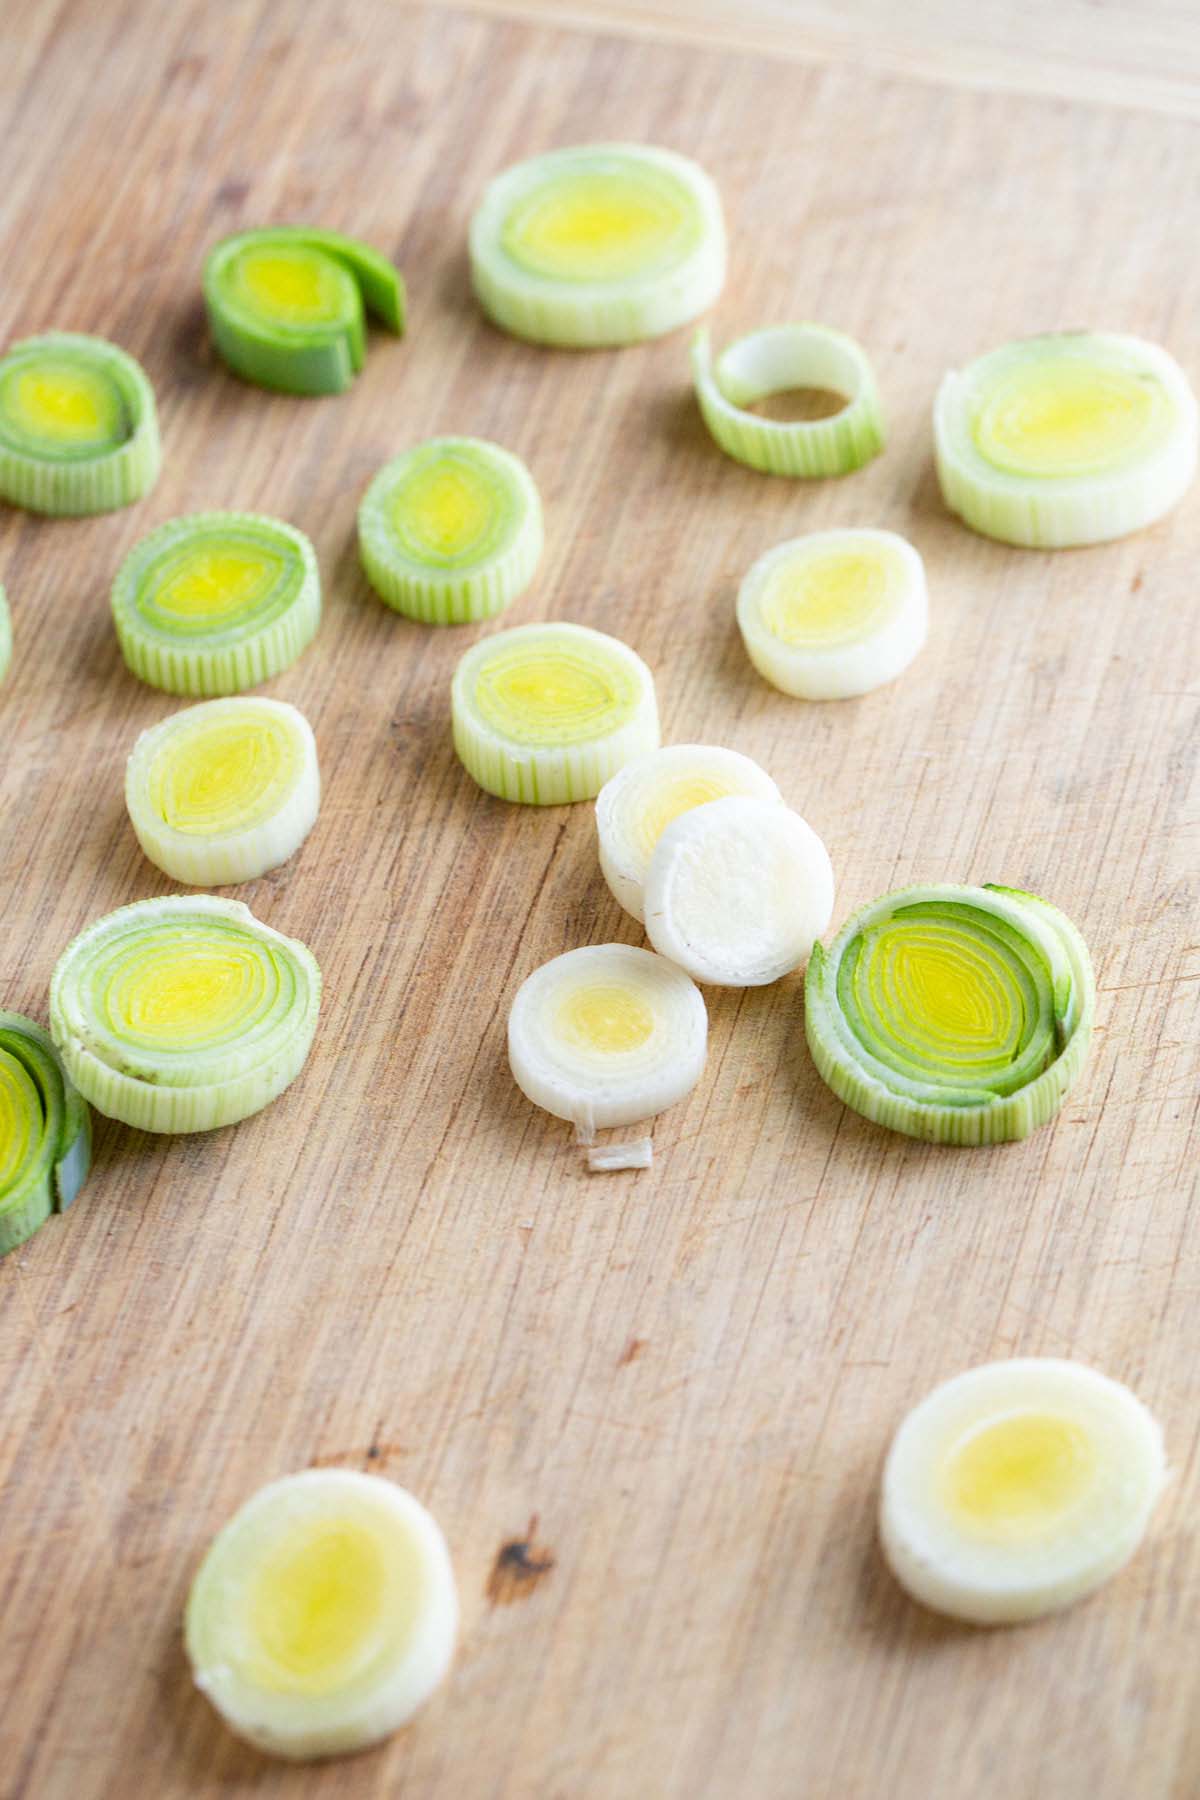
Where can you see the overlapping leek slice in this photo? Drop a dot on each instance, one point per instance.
(224, 791)
(45, 1132)
(961, 1015)
(216, 602)
(545, 714)
(1017, 1488)
(834, 614)
(5, 635)
(599, 244)
(286, 304)
(776, 361)
(183, 1014)
(78, 426)
(324, 1614)
(451, 532)
(1072, 438)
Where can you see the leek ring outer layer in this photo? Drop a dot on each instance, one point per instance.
(78, 426)
(5, 636)
(773, 361)
(45, 1131)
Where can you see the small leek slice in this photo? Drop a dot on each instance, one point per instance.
(961, 1015)
(775, 361)
(5, 635)
(216, 602)
(323, 1615)
(451, 532)
(834, 614)
(183, 1014)
(285, 306)
(45, 1132)
(1072, 438)
(545, 714)
(224, 791)
(78, 426)
(598, 244)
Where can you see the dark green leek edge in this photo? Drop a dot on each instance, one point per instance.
(66, 1155)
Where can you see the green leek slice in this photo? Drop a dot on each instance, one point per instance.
(78, 426)
(183, 1014)
(45, 1132)
(5, 635)
(961, 1015)
(774, 361)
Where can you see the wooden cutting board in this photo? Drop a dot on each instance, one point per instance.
(648, 1409)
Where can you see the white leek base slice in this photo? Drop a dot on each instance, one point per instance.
(834, 614)
(1072, 438)
(635, 807)
(607, 1035)
(5, 636)
(738, 891)
(324, 1614)
(777, 360)
(1017, 1488)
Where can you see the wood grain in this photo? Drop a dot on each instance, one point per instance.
(674, 1389)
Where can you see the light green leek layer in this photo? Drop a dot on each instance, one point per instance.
(5, 636)
(45, 1132)
(78, 426)
(778, 360)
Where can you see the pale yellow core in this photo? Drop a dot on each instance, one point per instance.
(295, 282)
(445, 509)
(213, 585)
(224, 776)
(552, 696)
(20, 1117)
(188, 993)
(670, 798)
(1065, 417)
(1018, 1476)
(601, 227)
(69, 406)
(607, 1017)
(315, 1604)
(828, 598)
(948, 990)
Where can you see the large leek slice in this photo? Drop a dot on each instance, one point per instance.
(451, 532)
(45, 1132)
(78, 426)
(776, 361)
(599, 244)
(547, 713)
(183, 1014)
(1072, 438)
(215, 602)
(324, 1613)
(957, 1014)
(5, 635)
(285, 306)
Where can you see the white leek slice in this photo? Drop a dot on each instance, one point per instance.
(78, 426)
(45, 1132)
(1072, 438)
(777, 360)
(1017, 1488)
(224, 791)
(324, 1614)
(599, 244)
(834, 614)
(5, 636)
(738, 891)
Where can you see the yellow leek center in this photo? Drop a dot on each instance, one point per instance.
(551, 696)
(597, 227)
(671, 798)
(291, 283)
(606, 1017)
(66, 407)
(316, 1606)
(20, 1117)
(1016, 1477)
(222, 776)
(444, 509)
(187, 993)
(828, 598)
(212, 585)
(1066, 417)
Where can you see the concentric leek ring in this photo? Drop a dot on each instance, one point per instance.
(5, 636)
(78, 426)
(774, 361)
(45, 1132)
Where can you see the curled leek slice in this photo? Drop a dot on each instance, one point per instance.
(45, 1132)
(324, 1614)
(775, 361)
(599, 244)
(183, 1014)
(215, 602)
(224, 791)
(451, 532)
(1072, 438)
(78, 426)
(5, 636)
(961, 1015)
(285, 306)
(545, 714)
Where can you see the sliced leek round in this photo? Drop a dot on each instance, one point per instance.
(451, 532)
(545, 714)
(737, 891)
(323, 1615)
(216, 602)
(224, 791)
(5, 636)
(78, 426)
(1017, 1488)
(45, 1132)
(599, 244)
(183, 1014)
(1072, 438)
(834, 614)
(777, 360)
(961, 1015)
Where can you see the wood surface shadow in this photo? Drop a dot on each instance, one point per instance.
(886, 1613)
(191, 349)
(672, 415)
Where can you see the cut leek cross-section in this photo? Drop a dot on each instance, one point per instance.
(776, 361)
(45, 1131)
(5, 635)
(78, 426)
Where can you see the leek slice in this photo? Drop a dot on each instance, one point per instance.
(5, 635)
(545, 714)
(216, 602)
(598, 244)
(224, 791)
(183, 1014)
(285, 306)
(961, 1015)
(451, 532)
(774, 361)
(78, 426)
(324, 1614)
(45, 1132)
(834, 614)
(1072, 438)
